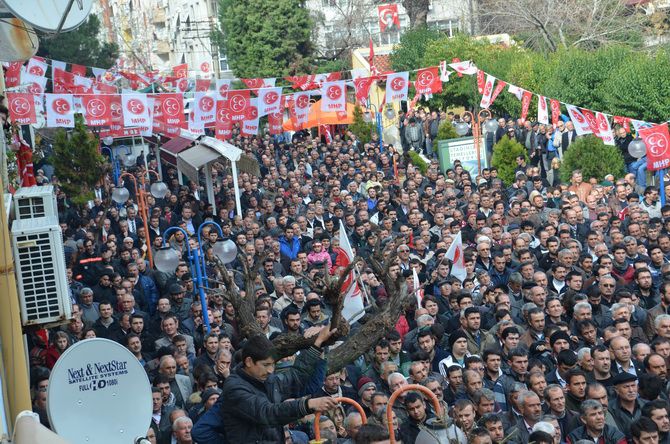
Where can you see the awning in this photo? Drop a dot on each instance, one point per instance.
(190, 161)
(174, 146)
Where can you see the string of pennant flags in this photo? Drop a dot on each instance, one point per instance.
(191, 104)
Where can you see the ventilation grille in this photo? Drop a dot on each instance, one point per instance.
(30, 208)
(39, 261)
(36, 202)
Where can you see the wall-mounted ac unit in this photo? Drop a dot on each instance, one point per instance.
(36, 202)
(39, 260)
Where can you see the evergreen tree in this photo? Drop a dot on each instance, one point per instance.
(81, 46)
(265, 38)
(77, 161)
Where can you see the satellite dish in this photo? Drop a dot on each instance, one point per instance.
(18, 41)
(99, 394)
(51, 15)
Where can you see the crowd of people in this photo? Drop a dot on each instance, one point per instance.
(559, 333)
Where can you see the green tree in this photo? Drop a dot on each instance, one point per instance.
(263, 38)
(77, 161)
(505, 153)
(362, 129)
(81, 46)
(409, 52)
(595, 159)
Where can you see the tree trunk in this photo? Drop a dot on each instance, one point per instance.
(417, 10)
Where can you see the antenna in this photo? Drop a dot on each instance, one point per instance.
(99, 393)
(52, 16)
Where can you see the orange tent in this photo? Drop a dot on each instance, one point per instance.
(317, 117)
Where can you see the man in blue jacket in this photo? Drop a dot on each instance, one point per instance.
(255, 406)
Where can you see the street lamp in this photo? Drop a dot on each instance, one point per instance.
(218, 247)
(120, 195)
(167, 259)
(462, 129)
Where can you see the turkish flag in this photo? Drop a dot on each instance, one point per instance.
(269, 101)
(135, 110)
(388, 17)
(555, 111)
(657, 140)
(224, 125)
(481, 81)
(333, 97)
(222, 88)
(397, 85)
(78, 70)
(276, 123)
(428, 81)
(362, 86)
(22, 108)
(60, 110)
(202, 85)
(97, 109)
(238, 104)
(525, 104)
(180, 71)
(13, 74)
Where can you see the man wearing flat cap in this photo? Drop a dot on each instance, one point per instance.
(626, 406)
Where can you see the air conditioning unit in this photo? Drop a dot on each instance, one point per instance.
(36, 202)
(39, 260)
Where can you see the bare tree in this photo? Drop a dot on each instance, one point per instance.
(355, 343)
(349, 28)
(562, 23)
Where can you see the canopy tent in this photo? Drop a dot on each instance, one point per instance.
(317, 117)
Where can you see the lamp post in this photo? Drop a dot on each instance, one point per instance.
(462, 130)
(367, 117)
(218, 247)
(121, 195)
(167, 259)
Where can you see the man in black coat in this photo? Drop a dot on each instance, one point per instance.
(252, 402)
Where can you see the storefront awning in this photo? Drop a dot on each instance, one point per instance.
(174, 146)
(190, 161)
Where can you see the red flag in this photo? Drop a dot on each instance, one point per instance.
(499, 87)
(298, 82)
(78, 70)
(657, 140)
(276, 123)
(97, 109)
(525, 104)
(172, 106)
(362, 86)
(591, 120)
(487, 92)
(258, 83)
(388, 17)
(22, 108)
(180, 71)
(238, 104)
(371, 60)
(623, 121)
(224, 125)
(456, 256)
(481, 81)
(202, 85)
(24, 160)
(428, 81)
(555, 111)
(13, 74)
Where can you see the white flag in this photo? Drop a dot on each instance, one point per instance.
(604, 129)
(222, 88)
(353, 308)
(488, 91)
(204, 109)
(518, 92)
(542, 111)
(333, 96)
(135, 110)
(416, 286)
(397, 85)
(269, 101)
(455, 255)
(60, 110)
(581, 125)
(466, 67)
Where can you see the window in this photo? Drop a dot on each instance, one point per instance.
(450, 26)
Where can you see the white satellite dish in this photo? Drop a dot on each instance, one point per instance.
(51, 15)
(18, 41)
(99, 394)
